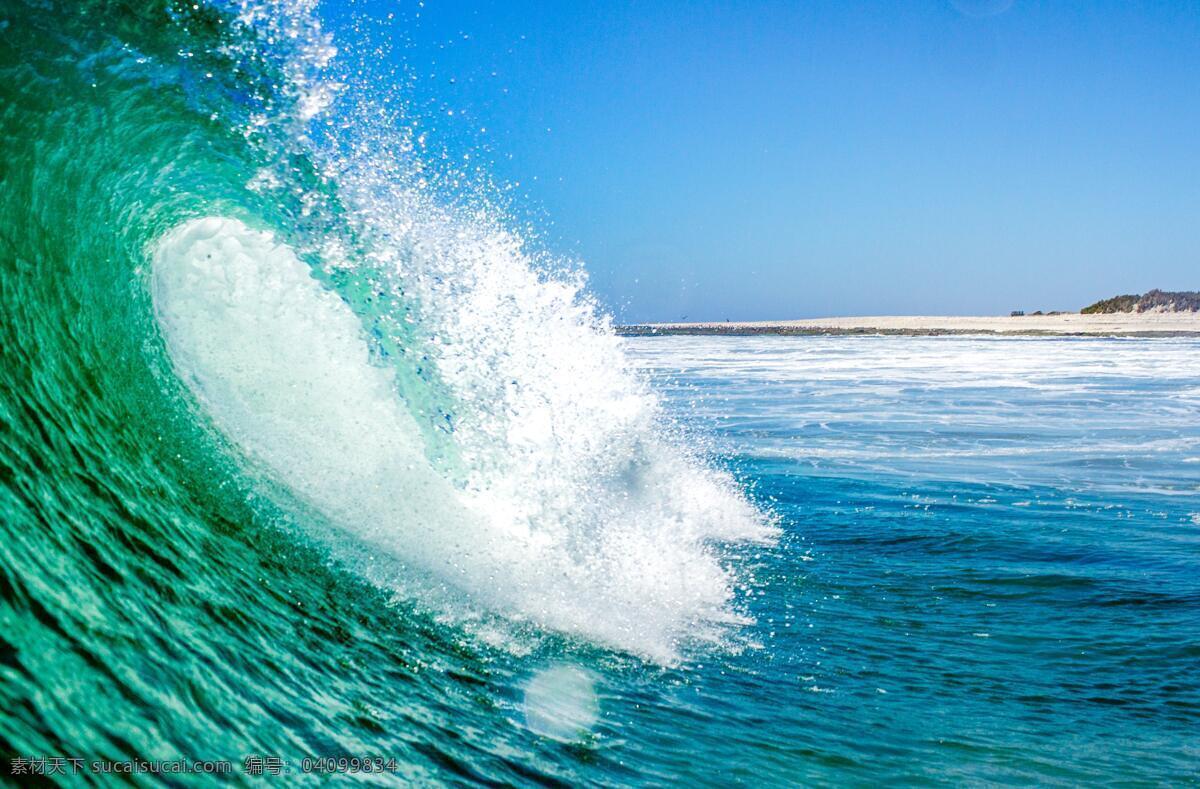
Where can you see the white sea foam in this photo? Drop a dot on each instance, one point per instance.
(1108, 416)
(572, 512)
(563, 502)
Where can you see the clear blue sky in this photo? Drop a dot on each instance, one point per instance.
(757, 160)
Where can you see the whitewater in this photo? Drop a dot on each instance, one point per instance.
(564, 507)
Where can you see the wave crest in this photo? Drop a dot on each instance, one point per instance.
(566, 506)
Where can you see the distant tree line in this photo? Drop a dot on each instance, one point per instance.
(1154, 301)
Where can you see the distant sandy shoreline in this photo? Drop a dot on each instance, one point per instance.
(1178, 324)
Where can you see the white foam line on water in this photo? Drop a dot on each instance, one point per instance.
(1034, 411)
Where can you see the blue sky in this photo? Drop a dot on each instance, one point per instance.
(758, 160)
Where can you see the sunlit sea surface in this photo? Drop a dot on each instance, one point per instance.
(307, 452)
(991, 568)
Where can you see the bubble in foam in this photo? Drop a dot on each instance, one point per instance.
(561, 703)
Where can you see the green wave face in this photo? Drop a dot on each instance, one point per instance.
(297, 460)
(151, 605)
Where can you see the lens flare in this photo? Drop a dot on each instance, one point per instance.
(561, 703)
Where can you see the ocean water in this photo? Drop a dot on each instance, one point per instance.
(308, 452)
(989, 564)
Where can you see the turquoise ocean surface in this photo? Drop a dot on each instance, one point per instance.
(312, 463)
(989, 569)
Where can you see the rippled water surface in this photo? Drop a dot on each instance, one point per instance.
(991, 568)
(305, 452)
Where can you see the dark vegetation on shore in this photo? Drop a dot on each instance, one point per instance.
(1154, 301)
